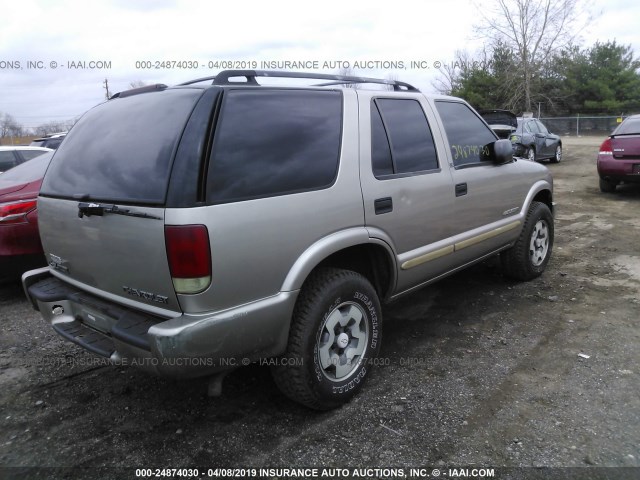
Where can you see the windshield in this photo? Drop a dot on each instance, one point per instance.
(122, 150)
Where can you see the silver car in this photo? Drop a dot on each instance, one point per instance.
(195, 229)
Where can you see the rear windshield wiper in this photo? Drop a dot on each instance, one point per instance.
(99, 209)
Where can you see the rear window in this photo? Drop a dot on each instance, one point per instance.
(274, 142)
(122, 150)
(631, 126)
(26, 172)
(29, 154)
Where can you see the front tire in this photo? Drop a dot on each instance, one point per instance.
(334, 337)
(531, 154)
(529, 256)
(558, 156)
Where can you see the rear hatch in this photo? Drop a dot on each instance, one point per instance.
(503, 122)
(101, 205)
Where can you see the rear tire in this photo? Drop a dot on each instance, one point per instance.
(558, 156)
(606, 186)
(529, 256)
(333, 341)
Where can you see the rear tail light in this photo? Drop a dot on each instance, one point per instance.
(189, 257)
(605, 148)
(16, 212)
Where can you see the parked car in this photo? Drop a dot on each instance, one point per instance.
(269, 223)
(533, 141)
(530, 138)
(10, 156)
(52, 140)
(619, 155)
(20, 247)
(503, 122)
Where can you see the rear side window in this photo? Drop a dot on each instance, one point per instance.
(274, 142)
(7, 160)
(26, 172)
(468, 136)
(401, 140)
(29, 154)
(122, 150)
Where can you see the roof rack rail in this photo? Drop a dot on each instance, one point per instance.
(223, 79)
(136, 91)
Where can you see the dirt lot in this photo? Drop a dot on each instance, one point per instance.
(480, 371)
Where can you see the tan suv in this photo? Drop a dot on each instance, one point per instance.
(221, 223)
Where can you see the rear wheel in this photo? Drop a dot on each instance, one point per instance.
(529, 256)
(558, 156)
(607, 186)
(531, 154)
(333, 341)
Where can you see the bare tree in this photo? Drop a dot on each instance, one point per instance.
(392, 77)
(9, 127)
(349, 72)
(137, 84)
(452, 73)
(54, 127)
(534, 29)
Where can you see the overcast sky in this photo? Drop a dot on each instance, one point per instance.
(39, 39)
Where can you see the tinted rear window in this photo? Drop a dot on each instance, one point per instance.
(274, 142)
(122, 150)
(631, 126)
(412, 147)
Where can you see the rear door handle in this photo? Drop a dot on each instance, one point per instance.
(383, 205)
(461, 189)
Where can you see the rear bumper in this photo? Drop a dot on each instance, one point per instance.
(613, 169)
(181, 347)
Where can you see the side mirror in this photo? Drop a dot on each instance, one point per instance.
(502, 152)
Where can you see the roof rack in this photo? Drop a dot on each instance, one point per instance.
(136, 91)
(223, 79)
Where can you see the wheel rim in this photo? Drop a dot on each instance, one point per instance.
(343, 340)
(558, 153)
(539, 244)
(531, 155)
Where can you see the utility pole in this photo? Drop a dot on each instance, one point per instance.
(106, 87)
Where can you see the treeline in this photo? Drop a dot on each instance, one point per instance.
(601, 80)
(9, 127)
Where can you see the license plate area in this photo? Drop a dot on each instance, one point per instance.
(95, 320)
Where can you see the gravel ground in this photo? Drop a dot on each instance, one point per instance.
(476, 371)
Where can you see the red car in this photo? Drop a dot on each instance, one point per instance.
(619, 156)
(20, 247)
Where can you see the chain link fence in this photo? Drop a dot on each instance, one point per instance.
(579, 126)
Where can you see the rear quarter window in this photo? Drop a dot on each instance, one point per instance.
(274, 142)
(122, 150)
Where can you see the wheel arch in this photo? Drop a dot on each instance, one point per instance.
(541, 192)
(351, 249)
